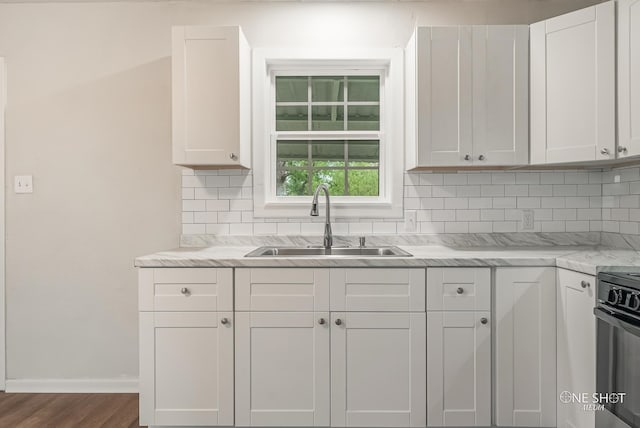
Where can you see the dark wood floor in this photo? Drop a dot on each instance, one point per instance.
(68, 410)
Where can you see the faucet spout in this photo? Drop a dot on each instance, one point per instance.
(328, 234)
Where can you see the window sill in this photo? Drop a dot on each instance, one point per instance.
(338, 209)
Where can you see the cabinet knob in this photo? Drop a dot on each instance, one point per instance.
(622, 149)
(467, 157)
(224, 321)
(233, 156)
(604, 151)
(584, 284)
(321, 321)
(481, 157)
(338, 321)
(483, 320)
(460, 290)
(184, 290)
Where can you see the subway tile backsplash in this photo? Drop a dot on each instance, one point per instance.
(220, 202)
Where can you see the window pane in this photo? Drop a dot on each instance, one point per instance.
(291, 89)
(327, 118)
(327, 89)
(363, 182)
(292, 150)
(364, 153)
(363, 118)
(293, 118)
(292, 183)
(334, 178)
(327, 153)
(363, 88)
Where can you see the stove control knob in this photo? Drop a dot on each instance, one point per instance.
(614, 296)
(633, 303)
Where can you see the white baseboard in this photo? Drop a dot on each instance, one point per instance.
(73, 385)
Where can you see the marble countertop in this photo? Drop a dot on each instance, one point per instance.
(589, 260)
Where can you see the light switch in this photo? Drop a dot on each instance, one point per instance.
(23, 184)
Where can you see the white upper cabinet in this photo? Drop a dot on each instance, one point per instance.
(211, 98)
(500, 95)
(628, 78)
(443, 104)
(467, 96)
(573, 86)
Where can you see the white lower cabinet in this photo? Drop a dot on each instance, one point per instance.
(525, 320)
(458, 368)
(576, 354)
(361, 362)
(378, 369)
(282, 369)
(186, 346)
(186, 368)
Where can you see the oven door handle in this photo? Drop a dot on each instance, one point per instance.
(616, 322)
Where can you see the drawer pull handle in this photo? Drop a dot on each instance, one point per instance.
(483, 320)
(185, 291)
(338, 321)
(224, 321)
(321, 321)
(584, 284)
(460, 290)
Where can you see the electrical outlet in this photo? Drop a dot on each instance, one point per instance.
(23, 184)
(410, 221)
(527, 219)
(616, 179)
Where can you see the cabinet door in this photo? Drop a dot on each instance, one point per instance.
(458, 289)
(210, 67)
(282, 289)
(525, 347)
(628, 78)
(369, 289)
(573, 86)
(500, 94)
(378, 369)
(458, 369)
(282, 369)
(444, 105)
(186, 368)
(576, 336)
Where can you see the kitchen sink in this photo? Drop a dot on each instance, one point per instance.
(332, 252)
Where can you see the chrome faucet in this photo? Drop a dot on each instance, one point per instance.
(328, 235)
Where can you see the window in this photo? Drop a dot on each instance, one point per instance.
(328, 117)
(340, 116)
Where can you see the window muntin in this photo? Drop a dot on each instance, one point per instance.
(327, 130)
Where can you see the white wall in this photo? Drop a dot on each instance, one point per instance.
(89, 116)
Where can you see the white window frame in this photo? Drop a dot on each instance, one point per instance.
(388, 63)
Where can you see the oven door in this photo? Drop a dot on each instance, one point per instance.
(618, 364)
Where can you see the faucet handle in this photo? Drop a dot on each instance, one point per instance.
(362, 241)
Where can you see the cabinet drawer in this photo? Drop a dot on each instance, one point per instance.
(372, 289)
(185, 289)
(282, 289)
(458, 289)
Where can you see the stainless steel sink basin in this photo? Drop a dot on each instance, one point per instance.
(333, 252)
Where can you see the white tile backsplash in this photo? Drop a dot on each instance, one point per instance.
(221, 202)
